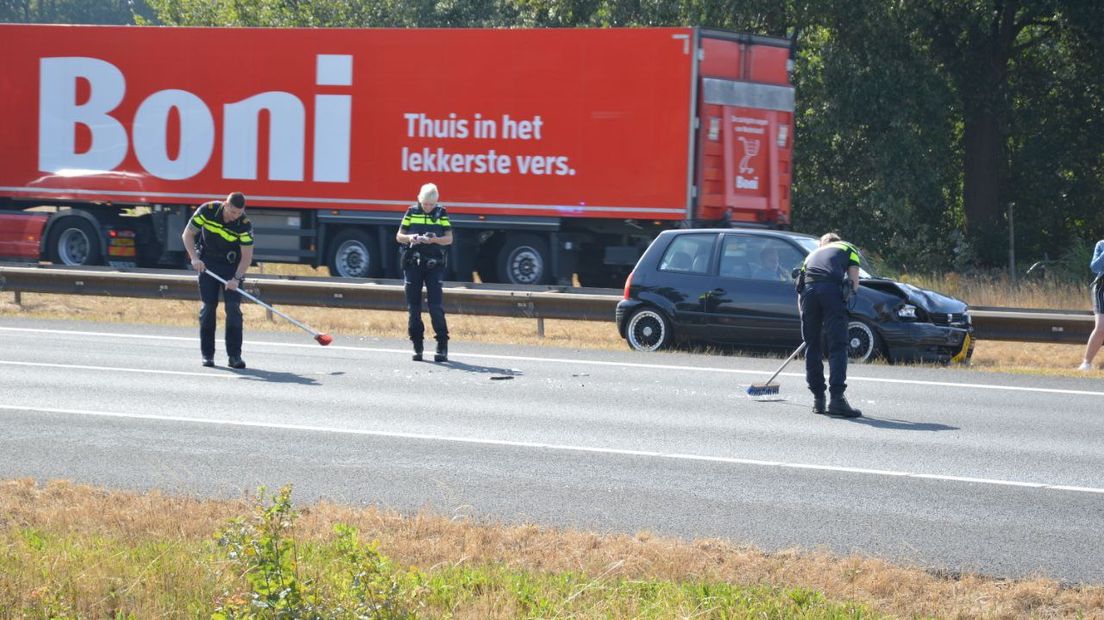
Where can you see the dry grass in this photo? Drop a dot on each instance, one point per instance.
(436, 543)
(164, 523)
(1000, 292)
(1015, 357)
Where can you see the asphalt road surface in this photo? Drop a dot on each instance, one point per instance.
(948, 469)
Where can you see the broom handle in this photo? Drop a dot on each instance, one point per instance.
(258, 301)
(796, 352)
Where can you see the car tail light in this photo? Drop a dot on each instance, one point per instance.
(628, 283)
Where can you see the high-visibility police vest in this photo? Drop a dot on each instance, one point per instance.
(418, 222)
(219, 240)
(830, 262)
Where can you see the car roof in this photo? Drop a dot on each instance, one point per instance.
(758, 232)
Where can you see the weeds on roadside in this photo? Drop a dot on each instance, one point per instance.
(263, 551)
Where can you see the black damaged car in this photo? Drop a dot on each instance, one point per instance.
(735, 287)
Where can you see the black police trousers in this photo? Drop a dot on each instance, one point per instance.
(209, 289)
(414, 278)
(824, 320)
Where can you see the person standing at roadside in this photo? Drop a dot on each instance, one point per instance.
(426, 234)
(1096, 338)
(829, 276)
(225, 248)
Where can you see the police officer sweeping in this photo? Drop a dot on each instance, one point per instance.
(829, 276)
(425, 233)
(225, 248)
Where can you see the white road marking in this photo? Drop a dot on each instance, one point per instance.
(558, 448)
(556, 360)
(213, 374)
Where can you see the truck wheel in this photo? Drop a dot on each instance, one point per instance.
(524, 260)
(353, 254)
(863, 343)
(648, 330)
(73, 241)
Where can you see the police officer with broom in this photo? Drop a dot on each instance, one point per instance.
(226, 248)
(831, 275)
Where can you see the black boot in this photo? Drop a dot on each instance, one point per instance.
(417, 357)
(236, 362)
(442, 351)
(840, 408)
(818, 404)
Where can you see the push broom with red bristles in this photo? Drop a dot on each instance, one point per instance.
(323, 339)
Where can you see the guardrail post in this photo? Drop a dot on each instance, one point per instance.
(19, 298)
(540, 327)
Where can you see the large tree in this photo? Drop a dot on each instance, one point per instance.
(72, 11)
(982, 45)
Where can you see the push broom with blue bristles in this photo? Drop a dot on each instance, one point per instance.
(770, 388)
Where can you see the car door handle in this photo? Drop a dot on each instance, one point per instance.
(717, 291)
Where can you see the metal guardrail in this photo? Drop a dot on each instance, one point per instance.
(460, 298)
(1032, 325)
(547, 302)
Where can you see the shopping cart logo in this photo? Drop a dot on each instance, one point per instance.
(751, 149)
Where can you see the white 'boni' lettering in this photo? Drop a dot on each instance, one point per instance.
(60, 114)
(286, 119)
(197, 134)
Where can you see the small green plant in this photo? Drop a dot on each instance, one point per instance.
(378, 589)
(263, 551)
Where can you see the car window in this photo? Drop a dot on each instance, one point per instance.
(773, 259)
(758, 257)
(688, 254)
(735, 257)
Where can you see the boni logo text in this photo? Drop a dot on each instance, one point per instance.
(60, 114)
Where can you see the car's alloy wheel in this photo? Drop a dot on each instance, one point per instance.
(648, 330)
(862, 342)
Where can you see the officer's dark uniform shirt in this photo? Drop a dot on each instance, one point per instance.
(830, 263)
(219, 240)
(418, 222)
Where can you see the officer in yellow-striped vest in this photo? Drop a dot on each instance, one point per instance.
(425, 234)
(828, 278)
(219, 238)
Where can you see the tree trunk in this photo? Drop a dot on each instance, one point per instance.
(983, 170)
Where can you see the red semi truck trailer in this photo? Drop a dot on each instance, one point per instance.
(556, 151)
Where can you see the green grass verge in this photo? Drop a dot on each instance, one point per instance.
(254, 567)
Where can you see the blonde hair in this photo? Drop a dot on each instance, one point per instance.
(428, 193)
(829, 238)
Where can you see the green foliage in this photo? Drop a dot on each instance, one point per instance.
(261, 546)
(571, 594)
(74, 11)
(917, 123)
(254, 568)
(873, 160)
(378, 588)
(265, 554)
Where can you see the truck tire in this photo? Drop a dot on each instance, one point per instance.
(353, 254)
(523, 259)
(73, 241)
